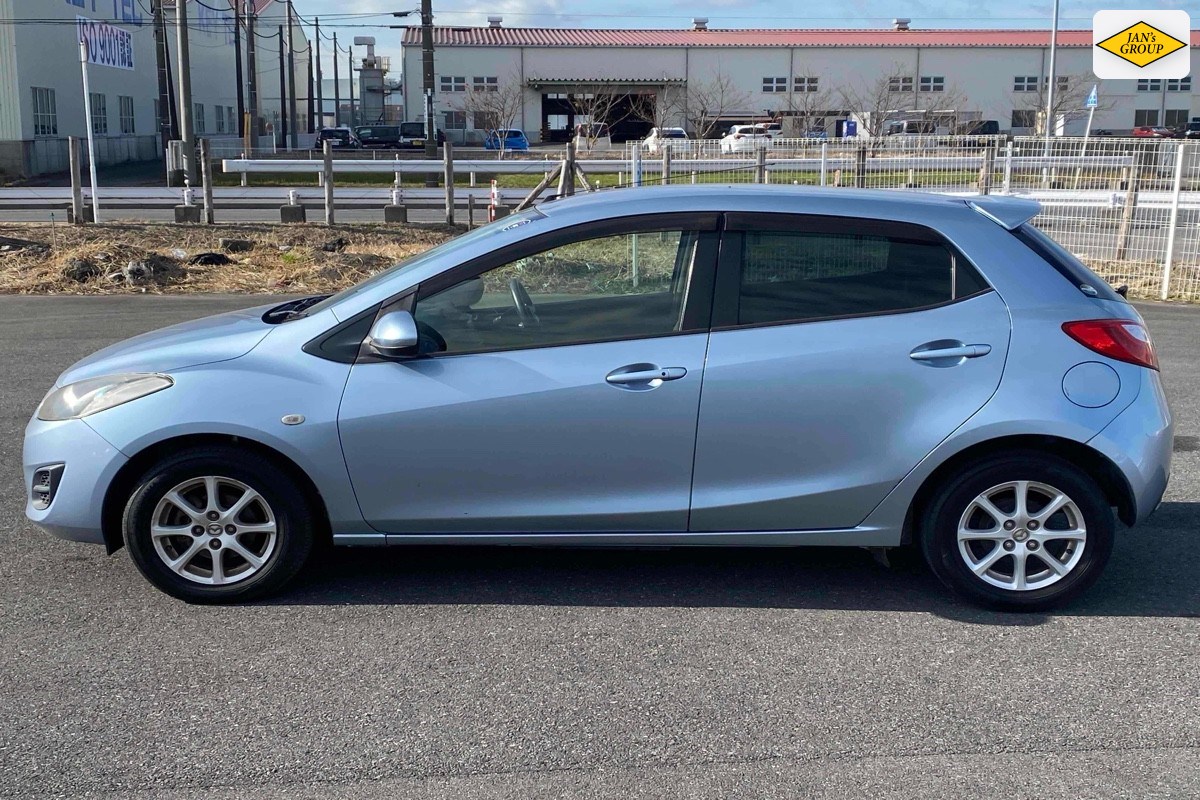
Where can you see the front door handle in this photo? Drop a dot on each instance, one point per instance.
(959, 351)
(643, 376)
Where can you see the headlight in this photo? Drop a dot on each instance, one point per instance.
(97, 394)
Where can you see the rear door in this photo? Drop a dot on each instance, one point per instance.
(842, 352)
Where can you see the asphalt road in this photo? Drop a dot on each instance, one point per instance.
(529, 673)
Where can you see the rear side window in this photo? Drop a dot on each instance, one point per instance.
(1065, 263)
(796, 276)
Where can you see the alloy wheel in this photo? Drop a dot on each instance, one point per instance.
(1022, 535)
(214, 530)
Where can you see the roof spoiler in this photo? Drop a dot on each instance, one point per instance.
(1009, 213)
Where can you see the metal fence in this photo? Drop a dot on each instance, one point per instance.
(1129, 208)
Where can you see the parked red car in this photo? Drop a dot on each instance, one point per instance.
(1153, 132)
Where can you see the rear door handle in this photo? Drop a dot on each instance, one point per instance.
(961, 351)
(643, 376)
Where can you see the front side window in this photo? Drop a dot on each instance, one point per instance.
(795, 276)
(629, 285)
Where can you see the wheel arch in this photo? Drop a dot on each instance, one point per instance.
(122, 484)
(1097, 465)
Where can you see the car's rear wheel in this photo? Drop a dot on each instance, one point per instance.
(1025, 531)
(218, 525)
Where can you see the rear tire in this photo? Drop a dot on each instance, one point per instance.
(218, 524)
(988, 544)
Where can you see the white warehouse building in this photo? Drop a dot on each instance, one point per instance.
(41, 88)
(704, 79)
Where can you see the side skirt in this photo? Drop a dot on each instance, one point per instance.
(848, 537)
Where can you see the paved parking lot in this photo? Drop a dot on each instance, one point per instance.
(539, 673)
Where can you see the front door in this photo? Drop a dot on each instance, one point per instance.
(558, 391)
(843, 351)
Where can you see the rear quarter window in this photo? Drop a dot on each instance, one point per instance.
(1065, 263)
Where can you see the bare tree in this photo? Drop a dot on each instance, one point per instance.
(708, 100)
(1069, 99)
(945, 107)
(602, 106)
(662, 110)
(879, 101)
(809, 101)
(493, 108)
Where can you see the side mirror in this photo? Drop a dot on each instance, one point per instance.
(394, 334)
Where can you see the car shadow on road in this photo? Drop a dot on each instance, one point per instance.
(1152, 573)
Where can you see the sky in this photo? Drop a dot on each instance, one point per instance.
(372, 17)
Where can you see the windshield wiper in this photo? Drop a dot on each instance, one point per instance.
(293, 309)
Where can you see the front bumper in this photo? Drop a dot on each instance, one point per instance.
(89, 462)
(1140, 441)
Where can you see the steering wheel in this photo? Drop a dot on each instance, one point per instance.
(524, 303)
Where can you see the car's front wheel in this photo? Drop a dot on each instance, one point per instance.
(1025, 531)
(218, 525)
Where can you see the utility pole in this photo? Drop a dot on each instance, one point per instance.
(350, 62)
(252, 68)
(312, 116)
(283, 120)
(1052, 79)
(164, 76)
(337, 88)
(294, 141)
(320, 79)
(237, 66)
(427, 76)
(185, 92)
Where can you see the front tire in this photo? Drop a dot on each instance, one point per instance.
(218, 525)
(1022, 532)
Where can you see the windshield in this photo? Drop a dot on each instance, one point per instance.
(421, 259)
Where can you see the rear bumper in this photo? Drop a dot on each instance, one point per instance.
(89, 464)
(1140, 441)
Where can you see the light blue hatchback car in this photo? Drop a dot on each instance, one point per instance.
(737, 365)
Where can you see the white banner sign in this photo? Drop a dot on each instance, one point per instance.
(108, 45)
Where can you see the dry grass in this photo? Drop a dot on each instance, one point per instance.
(284, 259)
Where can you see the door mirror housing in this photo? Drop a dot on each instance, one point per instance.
(394, 334)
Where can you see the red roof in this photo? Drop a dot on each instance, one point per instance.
(764, 37)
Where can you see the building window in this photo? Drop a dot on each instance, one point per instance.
(1180, 85)
(230, 120)
(1176, 117)
(219, 117)
(775, 84)
(485, 120)
(806, 83)
(485, 84)
(198, 114)
(1024, 118)
(45, 115)
(99, 113)
(125, 109)
(453, 84)
(455, 120)
(1145, 116)
(1149, 85)
(1063, 83)
(1025, 83)
(900, 83)
(933, 83)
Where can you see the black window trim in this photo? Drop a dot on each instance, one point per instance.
(727, 289)
(698, 305)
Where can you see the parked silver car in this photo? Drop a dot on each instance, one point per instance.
(682, 365)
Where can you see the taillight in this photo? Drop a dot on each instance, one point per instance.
(1120, 339)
